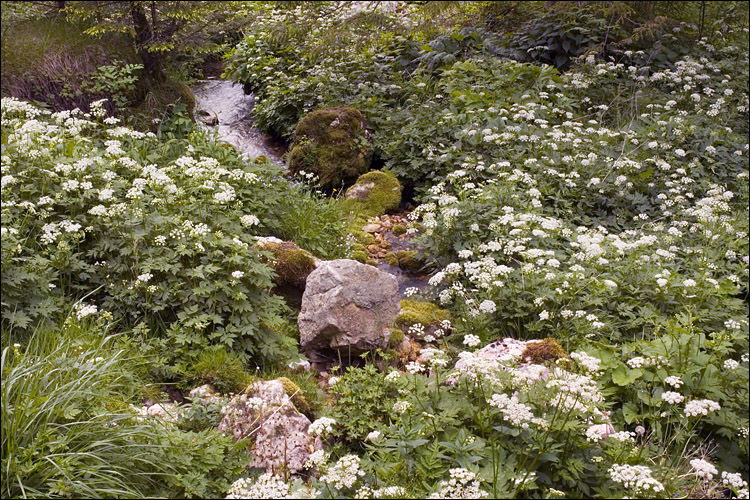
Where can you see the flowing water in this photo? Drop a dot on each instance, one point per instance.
(226, 105)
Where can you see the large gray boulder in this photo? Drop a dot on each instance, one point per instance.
(347, 307)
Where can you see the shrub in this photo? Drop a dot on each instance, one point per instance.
(151, 231)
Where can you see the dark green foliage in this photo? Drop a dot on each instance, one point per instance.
(312, 221)
(331, 143)
(68, 429)
(364, 403)
(221, 368)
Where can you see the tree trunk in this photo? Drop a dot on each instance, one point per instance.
(152, 61)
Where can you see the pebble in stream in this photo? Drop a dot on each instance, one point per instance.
(228, 104)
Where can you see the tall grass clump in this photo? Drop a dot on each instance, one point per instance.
(64, 428)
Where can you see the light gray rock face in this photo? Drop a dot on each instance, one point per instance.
(266, 415)
(347, 306)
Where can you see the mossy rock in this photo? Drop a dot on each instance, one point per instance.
(397, 336)
(391, 259)
(406, 260)
(546, 351)
(426, 313)
(332, 143)
(398, 230)
(359, 256)
(362, 237)
(291, 263)
(375, 193)
(295, 394)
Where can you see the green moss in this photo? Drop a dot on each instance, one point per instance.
(222, 369)
(408, 261)
(426, 313)
(260, 160)
(291, 263)
(359, 256)
(397, 336)
(371, 262)
(364, 238)
(544, 351)
(398, 229)
(333, 143)
(374, 194)
(295, 394)
(391, 259)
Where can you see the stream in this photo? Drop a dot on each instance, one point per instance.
(223, 106)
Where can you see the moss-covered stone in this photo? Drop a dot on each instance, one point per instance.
(408, 261)
(397, 336)
(398, 230)
(544, 351)
(332, 143)
(359, 256)
(426, 313)
(374, 194)
(362, 237)
(291, 263)
(295, 394)
(391, 259)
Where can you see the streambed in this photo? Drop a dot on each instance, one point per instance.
(224, 107)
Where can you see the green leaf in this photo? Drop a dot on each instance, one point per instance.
(623, 376)
(629, 413)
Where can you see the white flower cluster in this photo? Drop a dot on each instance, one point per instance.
(641, 361)
(636, 478)
(266, 485)
(462, 484)
(733, 480)
(248, 220)
(344, 473)
(401, 407)
(436, 358)
(589, 363)
(731, 364)
(321, 427)
(576, 391)
(672, 397)
(703, 469)
(83, 310)
(513, 411)
(316, 459)
(487, 307)
(471, 340)
(674, 381)
(386, 492)
(700, 407)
